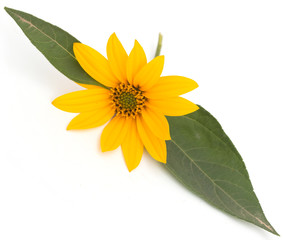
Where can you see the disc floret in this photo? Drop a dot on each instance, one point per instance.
(127, 100)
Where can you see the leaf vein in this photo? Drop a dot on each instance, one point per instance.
(43, 33)
(238, 204)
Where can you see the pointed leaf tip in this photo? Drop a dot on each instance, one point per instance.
(204, 159)
(54, 43)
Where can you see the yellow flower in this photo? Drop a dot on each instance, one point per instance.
(135, 100)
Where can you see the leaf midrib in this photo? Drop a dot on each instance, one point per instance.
(43, 33)
(236, 155)
(216, 185)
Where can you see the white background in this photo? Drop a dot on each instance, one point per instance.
(56, 184)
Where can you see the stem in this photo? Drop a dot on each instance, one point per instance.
(159, 45)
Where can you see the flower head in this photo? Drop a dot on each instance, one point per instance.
(135, 100)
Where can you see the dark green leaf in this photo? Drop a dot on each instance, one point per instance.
(203, 158)
(54, 43)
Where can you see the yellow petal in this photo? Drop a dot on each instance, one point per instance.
(136, 60)
(155, 146)
(156, 122)
(171, 86)
(94, 119)
(117, 58)
(132, 146)
(96, 65)
(176, 106)
(114, 133)
(149, 74)
(83, 101)
(88, 86)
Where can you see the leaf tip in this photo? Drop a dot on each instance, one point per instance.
(275, 233)
(8, 9)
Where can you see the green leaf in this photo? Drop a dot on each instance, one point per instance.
(54, 43)
(202, 157)
(200, 154)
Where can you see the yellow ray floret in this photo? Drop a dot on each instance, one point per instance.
(136, 60)
(132, 146)
(156, 122)
(135, 101)
(154, 145)
(117, 58)
(95, 64)
(83, 101)
(86, 120)
(114, 133)
(149, 74)
(171, 86)
(175, 106)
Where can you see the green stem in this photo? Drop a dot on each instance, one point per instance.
(159, 45)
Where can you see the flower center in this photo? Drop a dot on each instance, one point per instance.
(127, 100)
